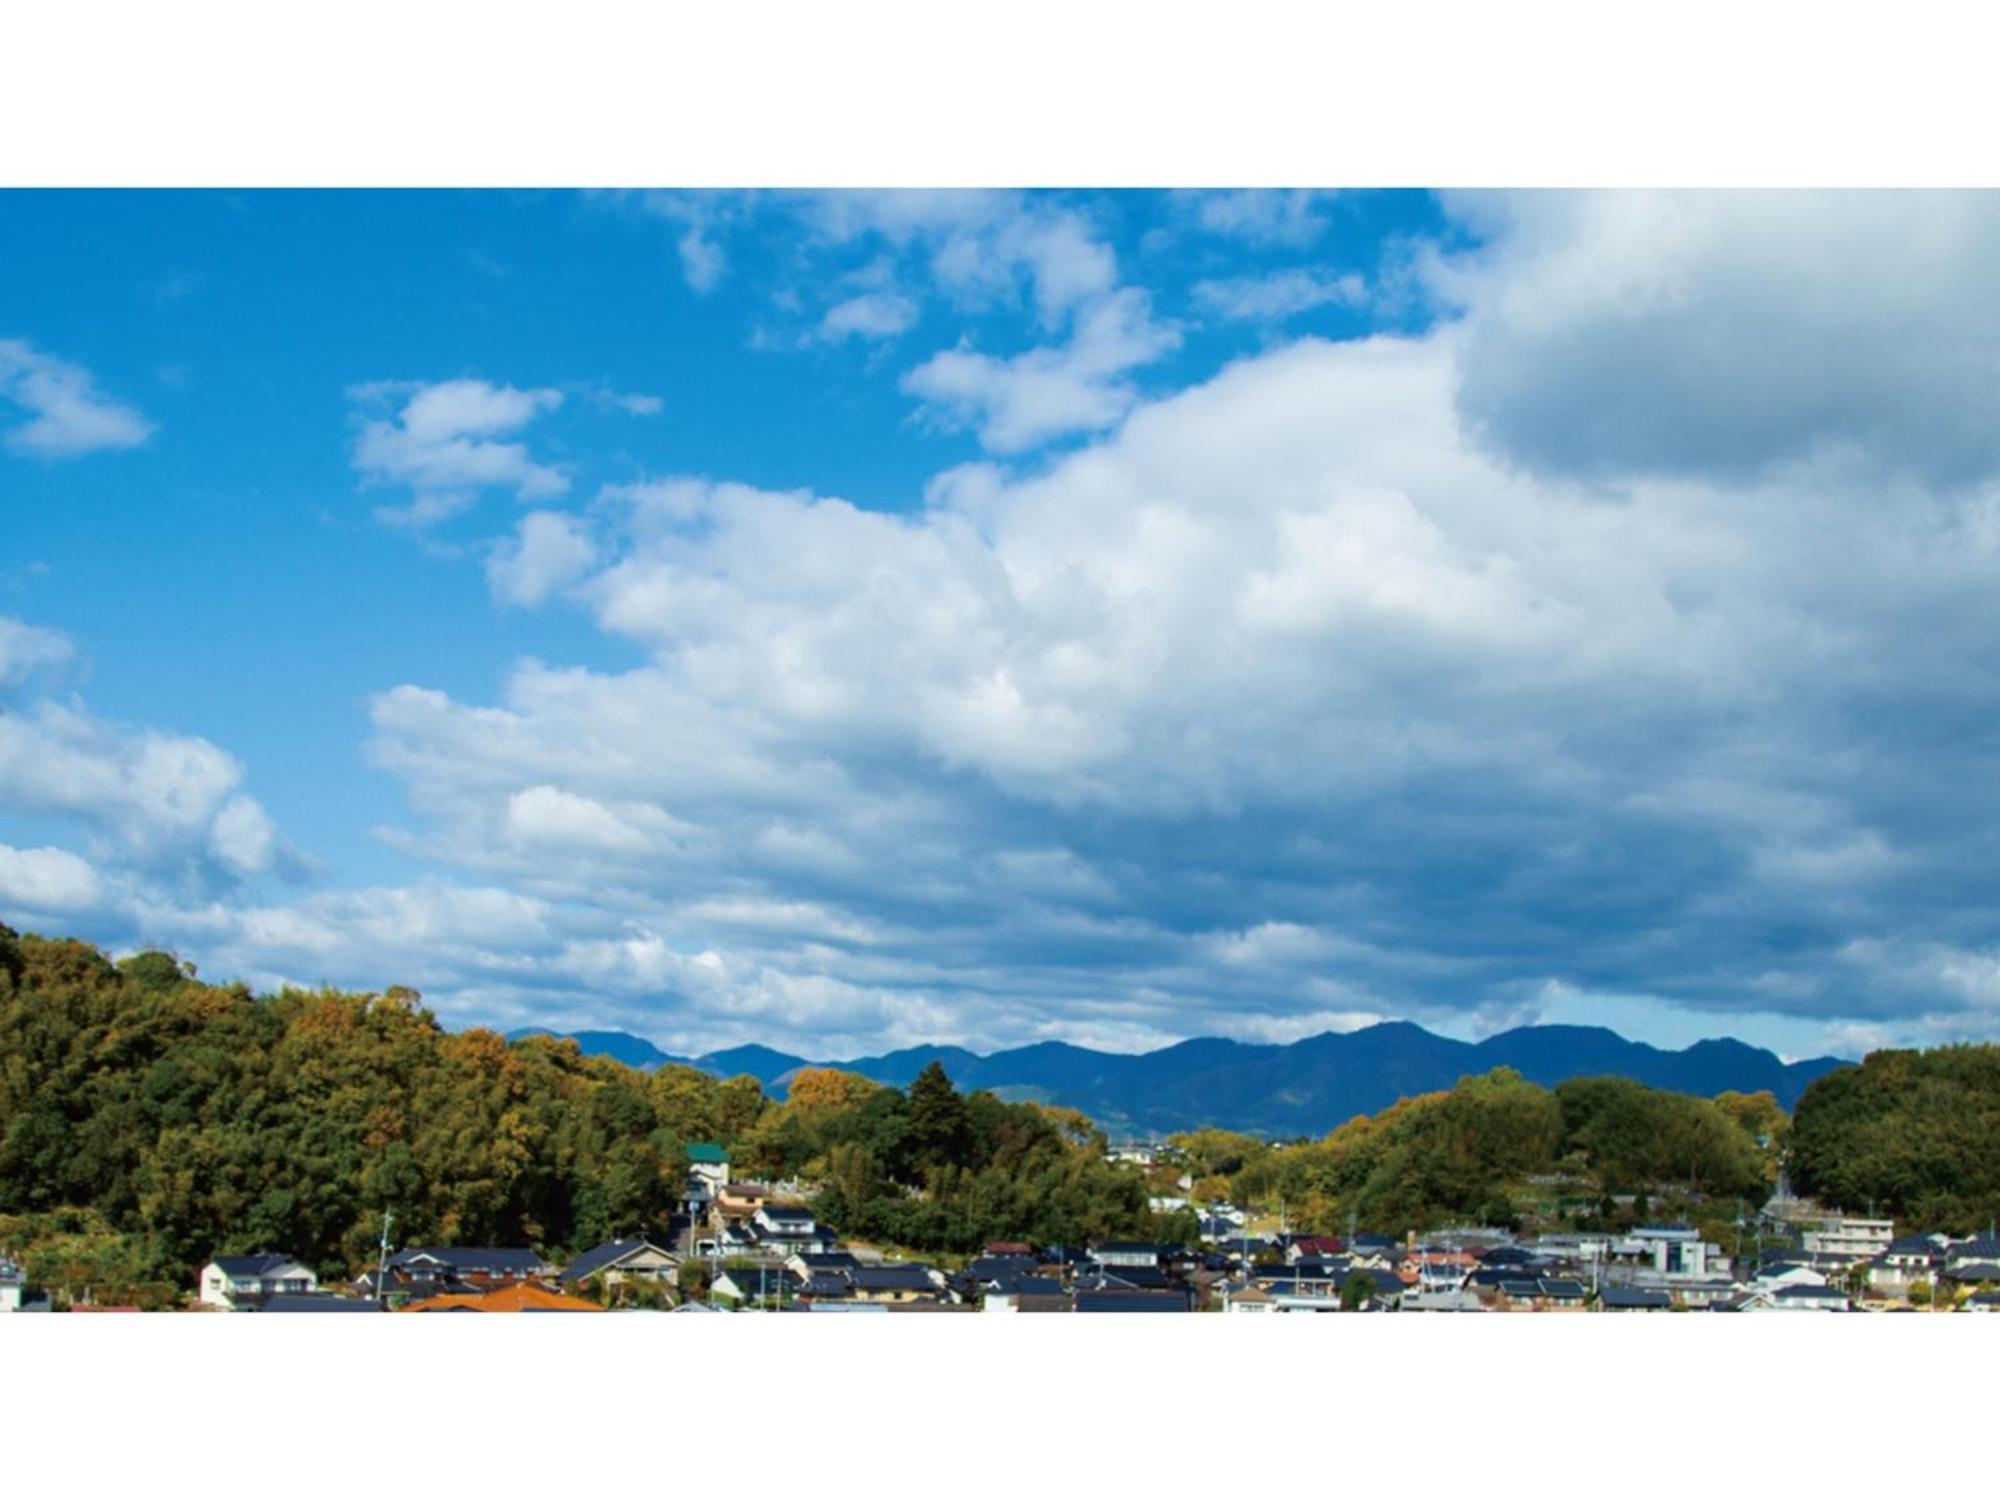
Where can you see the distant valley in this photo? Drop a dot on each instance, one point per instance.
(1305, 1087)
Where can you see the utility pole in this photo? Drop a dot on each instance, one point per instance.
(382, 1263)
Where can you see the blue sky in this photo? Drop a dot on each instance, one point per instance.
(844, 620)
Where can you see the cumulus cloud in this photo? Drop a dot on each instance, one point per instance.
(549, 551)
(165, 803)
(1286, 704)
(47, 880)
(67, 414)
(1715, 335)
(446, 441)
(871, 315)
(1350, 682)
(1082, 386)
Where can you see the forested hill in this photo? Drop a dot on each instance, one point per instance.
(1304, 1088)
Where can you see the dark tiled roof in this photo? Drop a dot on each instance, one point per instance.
(472, 1260)
(893, 1278)
(1132, 1302)
(1620, 1298)
(261, 1264)
(610, 1253)
(1974, 1270)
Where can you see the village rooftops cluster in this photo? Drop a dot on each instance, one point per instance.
(738, 1245)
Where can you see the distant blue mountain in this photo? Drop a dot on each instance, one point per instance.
(633, 1051)
(1302, 1088)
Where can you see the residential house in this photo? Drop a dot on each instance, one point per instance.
(1007, 1296)
(466, 1267)
(708, 1169)
(1982, 1249)
(13, 1286)
(637, 1259)
(1673, 1250)
(1247, 1297)
(1544, 1294)
(788, 1229)
(1300, 1247)
(239, 1281)
(1633, 1299)
(897, 1281)
(1912, 1258)
(1851, 1240)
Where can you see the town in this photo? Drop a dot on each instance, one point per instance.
(750, 1246)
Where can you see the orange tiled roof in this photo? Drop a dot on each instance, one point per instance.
(523, 1296)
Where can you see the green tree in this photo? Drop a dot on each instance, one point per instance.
(940, 1131)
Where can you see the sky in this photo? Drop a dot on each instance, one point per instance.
(843, 620)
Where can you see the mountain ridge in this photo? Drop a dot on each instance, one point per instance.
(1305, 1087)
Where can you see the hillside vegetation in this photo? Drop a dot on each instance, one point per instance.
(1914, 1134)
(148, 1121)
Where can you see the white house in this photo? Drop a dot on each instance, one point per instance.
(1850, 1239)
(1674, 1249)
(11, 1283)
(236, 1281)
(708, 1170)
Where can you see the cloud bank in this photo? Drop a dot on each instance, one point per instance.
(1627, 632)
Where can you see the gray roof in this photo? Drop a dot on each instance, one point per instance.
(1132, 1302)
(466, 1260)
(893, 1278)
(1625, 1298)
(600, 1257)
(263, 1263)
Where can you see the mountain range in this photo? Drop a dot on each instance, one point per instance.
(1299, 1088)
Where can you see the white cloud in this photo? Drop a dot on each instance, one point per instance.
(26, 650)
(1280, 295)
(1262, 216)
(67, 414)
(872, 315)
(549, 816)
(703, 220)
(161, 802)
(550, 551)
(1029, 398)
(446, 444)
(47, 880)
(1285, 704)
(1343, 684)
(1718, 334)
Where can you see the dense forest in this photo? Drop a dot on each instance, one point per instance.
(149, 1121)
(1914, 1134)
(1497, 1146)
